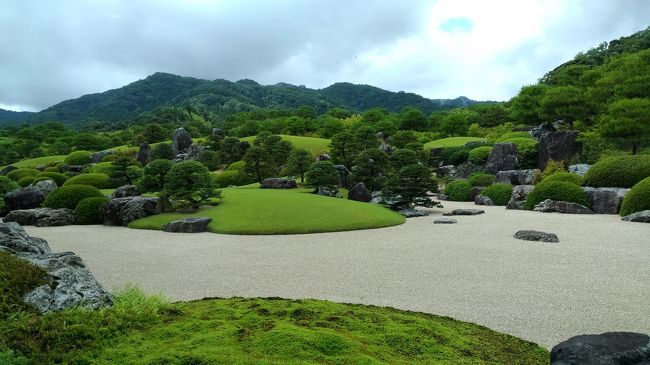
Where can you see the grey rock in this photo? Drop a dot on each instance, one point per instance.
(395, 203)
(557, 146)
(13, 238)
(181, 141)
(446, 170)
(323, 157)
(218, 133)
(605, 200)
(464, 212)
(125, 191)
(611, 348)
(518, 197)
(7, 169)
(580, 169)
(24, 198)
(122, 211)
(244, 146)
(412, 213)
(483, 200)
(517, 177)
(144, 153)
(555, 206)
(444, 221)
(41, 217)
(474, 144)
(441, 196)
(278, 183)
(328, 191)
(191, 153)
(464, 170)
(46, 186)
(98, 156)
(188, 225)
(541, 129)
(75, 168)
(344, 175)
(475, 191)
(386, 148)
(502, 158)
(530, 235)
(360, 193)
(640, 217)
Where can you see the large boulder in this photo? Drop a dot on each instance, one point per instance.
(188, 225)
(611, 348)
(278, 183)
(517, 177)
(557, 146)
(24, 198)
(344, 174)
(605, 200)
(122, 211)
(483, 200)
(360, 193)
(14, 239)
(125, 191)
(518, 197)
(503, 157)
(144, 153)
(181, 141)
(46, 186)
(530, 235)
(641, 217)
(328, 191)
(98, 156)
(41, 217)
(556, 206)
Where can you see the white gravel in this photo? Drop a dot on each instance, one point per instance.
(596, 279)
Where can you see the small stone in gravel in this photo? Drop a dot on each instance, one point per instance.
(465, 212)
(412, 213)
(642, 217)
(444, 221)
(530, 235)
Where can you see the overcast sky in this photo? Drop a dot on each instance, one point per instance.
(53, 50)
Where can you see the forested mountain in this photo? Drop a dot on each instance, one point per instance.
(12, 116)
(223, 98)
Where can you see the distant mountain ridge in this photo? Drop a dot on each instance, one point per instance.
(224, 97)
(12, 116)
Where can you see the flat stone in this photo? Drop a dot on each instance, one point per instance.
(188, 225)
(555, 206)
(464, 212)
(611, 348)
(444, 221)
(530, 235)
(41, 217)
(412, 213)
(640, 217)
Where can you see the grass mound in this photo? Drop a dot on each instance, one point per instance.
(311, 144)
(451, 142)
(637, 199)
(69, 196)
(266, 211)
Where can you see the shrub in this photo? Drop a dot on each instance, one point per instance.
(459, 190)
(68, 196)
(154, 175)
(100, 181)
(102, 168)
(18, 174)
(637, 199)
(555, 190)
(42, 178)
(88, 211)
(78, 158)
(322, 173)
(6, 184)
(58, 177)
(190, 181)
(52, 169)
(481, 179)
(26, 181)
(553, 167)
(479, 155)
(566, 177)
(233, 177)
(109, 158)
(620, 172)
(499, 193)
(236, 166)
(454, 155)
(512, 135)
(526, 151)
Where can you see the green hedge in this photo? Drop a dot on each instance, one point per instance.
(26, 181)
(526, 151)
(459, 190)
(68, 196)
(618, 172)
(566, 177)
(102, 168)
(6, 185)
(58, 177)
(499, 193)
(556, 190)
(18, 174)
(98, 180)
(88, 211)
(232, 177)
(78, 158)
(481, 179)
(637, 199)
(479, 155)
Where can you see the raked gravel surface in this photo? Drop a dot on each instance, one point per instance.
(597, 279)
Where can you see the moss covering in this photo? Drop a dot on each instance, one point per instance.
(98, 180)
(499, 193)
(637, 199)
(17, 277)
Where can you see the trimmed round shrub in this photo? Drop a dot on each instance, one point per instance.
(618, 172)
(102, 168)
(78, 158)
(26, 181)
(43, 178)
(68, 196)
(454, 155)
(556, 190)
(459, 191)
(233, 177)
(6, 184)
(481, 179)
(18, 174)
(566, 177)
(499, 193)
(109, 158)
(88, 211)
(637, 199)
(154, 175)
(58, 177)
(236, 166)
(98, 180)
(52, 169)
(479, 155)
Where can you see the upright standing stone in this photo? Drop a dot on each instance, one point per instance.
(181, 140)
(557, 146)
(502, 158)
(144, 154)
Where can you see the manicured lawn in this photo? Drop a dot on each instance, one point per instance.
(249, 210)
(311, 144)
(451, 142)
(39, 161)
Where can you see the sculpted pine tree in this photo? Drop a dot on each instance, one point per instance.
(190, 181)
(371, 167)
(412, 184)
(299, 161)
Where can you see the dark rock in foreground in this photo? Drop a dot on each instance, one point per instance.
(14, 239)
(278, 183)
(558, 146)
(125, 191)
(605, 200)
(611, 348)
(41, 217)
(530, 235)
(24, 198)
(641, 217)
(464, 212)
(122, 211)
(518, 197)
(360, 193)
(412, 213)
(555, 206)
(188, 225)
(444, 221)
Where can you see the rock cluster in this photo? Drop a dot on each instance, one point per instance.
(278, 183)
(122, 211)
(41, 217)
(518, 197)
(555, 206)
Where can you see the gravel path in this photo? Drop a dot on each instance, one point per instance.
(596, 279)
